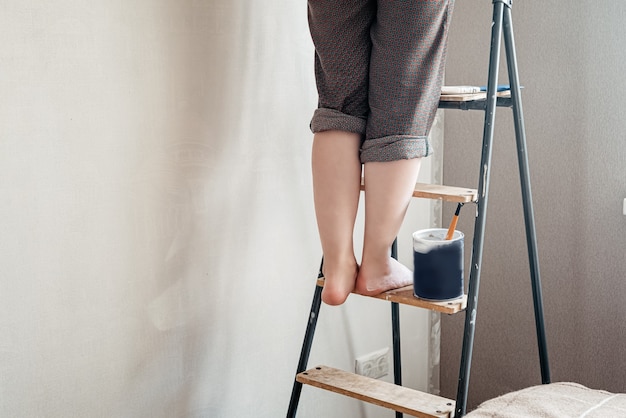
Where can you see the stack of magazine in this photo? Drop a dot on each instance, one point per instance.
(467, 93)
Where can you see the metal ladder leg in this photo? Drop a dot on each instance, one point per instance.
(310, 331)
(306, 347)
(481, 211)
(531, 240)
(395, 329)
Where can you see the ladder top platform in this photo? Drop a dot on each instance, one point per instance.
(440, 192)
(473, 101)
(377, 392)
(405, 296)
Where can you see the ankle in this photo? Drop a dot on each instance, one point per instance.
(339, 281)
(377, 277)
(338, 264)
(377, 257)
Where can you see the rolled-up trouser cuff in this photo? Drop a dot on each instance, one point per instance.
(395, 147)
(330, 119)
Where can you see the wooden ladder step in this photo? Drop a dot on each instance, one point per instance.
(440, 192)
(377, 392)
(405, 296)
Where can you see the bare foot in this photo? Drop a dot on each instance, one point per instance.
(376, 278)
(339, 281)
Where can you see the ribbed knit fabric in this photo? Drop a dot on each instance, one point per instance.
(379, 68)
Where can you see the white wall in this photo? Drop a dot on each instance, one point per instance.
(158, 246)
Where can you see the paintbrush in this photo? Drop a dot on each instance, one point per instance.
(455, 219)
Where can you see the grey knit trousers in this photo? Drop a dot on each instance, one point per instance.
(379, 67)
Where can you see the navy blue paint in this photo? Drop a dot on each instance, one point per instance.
(438, 274)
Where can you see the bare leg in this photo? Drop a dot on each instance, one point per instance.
(388, 190)
(336, 188)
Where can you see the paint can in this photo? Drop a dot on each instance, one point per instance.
(438, 264)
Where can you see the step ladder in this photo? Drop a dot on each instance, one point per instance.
(394, 396)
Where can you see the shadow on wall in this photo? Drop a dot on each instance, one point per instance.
(220, 191)
(184, 192)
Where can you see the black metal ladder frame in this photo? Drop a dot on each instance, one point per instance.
(502, 28)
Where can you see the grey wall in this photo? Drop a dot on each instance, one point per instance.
(571, 57)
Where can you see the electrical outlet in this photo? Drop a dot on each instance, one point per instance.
(374, 365)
